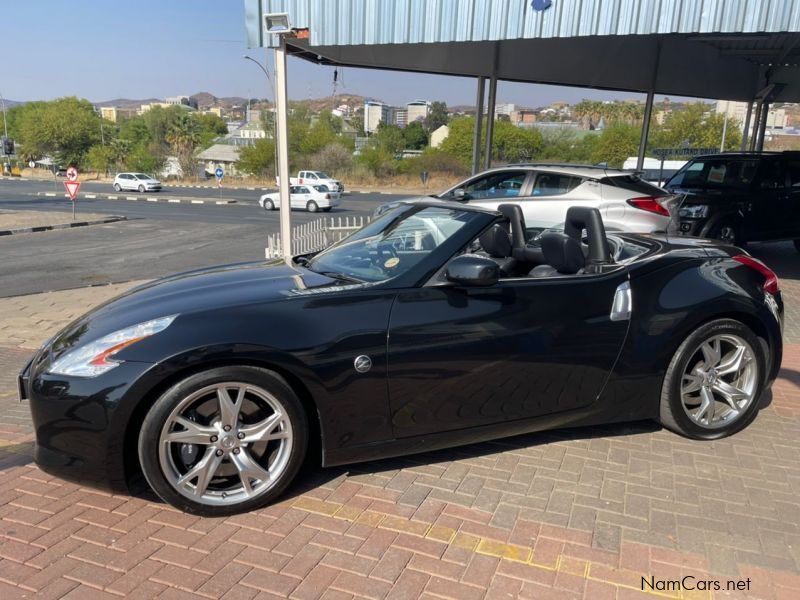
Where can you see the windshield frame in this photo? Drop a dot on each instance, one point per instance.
(417, 274)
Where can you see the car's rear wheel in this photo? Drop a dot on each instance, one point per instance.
(312, 206)
(727, 232)
(269, 204)
(117, 187)
(223, 441)
(713, 385)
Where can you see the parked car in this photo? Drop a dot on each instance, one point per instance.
(435, 325)
(546, 191)
(316, 178)
(136, 181)
(739, 197)
(306, 197)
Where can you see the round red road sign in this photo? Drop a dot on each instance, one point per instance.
(72, 174)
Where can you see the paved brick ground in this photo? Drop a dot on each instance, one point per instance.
(566, 514)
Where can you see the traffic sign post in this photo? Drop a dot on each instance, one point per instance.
(73, 185)
(219, 173)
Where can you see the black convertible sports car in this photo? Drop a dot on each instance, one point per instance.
(432, 326)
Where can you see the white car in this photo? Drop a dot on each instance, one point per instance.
(140, 182)
(546, 191)
(308, 197)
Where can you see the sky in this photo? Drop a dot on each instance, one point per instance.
(106, 49)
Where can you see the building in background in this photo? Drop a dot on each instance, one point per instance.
(417, 110)
(116, 113)
(776, 117)
(400, 116)
(375, 113)
(439, 135)
(506, 109)
(523, 117)
(181, 101)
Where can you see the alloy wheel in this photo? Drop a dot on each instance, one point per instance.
(225, 443)
(720, 381)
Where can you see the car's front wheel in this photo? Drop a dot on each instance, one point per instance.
(223, 441)
(269, 204)
(713, 385)
(141, 189)
(117, 187)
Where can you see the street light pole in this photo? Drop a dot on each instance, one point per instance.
(274, 124)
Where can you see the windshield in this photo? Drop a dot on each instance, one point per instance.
(715, 173)
(142, 176)
(392, 244)
(321, 188)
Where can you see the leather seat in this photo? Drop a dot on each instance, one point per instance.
(496, 242)
(563, 255)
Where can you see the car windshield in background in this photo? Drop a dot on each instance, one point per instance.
(323, 175)
(321, 188)
(142, 176)
(633, 183)
(713, 173)
(390, 245)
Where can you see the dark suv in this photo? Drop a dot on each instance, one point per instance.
(739, 197)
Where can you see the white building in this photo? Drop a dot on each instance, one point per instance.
(417, 110)
(776, 117)
(400, 116)
(375, 113)
(439, 135)
(506, 108)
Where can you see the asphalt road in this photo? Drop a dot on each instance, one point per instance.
(158, 238)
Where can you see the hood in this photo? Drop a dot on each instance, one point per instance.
(193, 291)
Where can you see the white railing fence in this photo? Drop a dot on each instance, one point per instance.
(315, 235)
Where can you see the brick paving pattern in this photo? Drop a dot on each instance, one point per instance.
(581, 513)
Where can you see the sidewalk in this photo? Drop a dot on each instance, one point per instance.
(28, 221)
(582, 513)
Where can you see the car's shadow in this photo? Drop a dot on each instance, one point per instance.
(313, 475)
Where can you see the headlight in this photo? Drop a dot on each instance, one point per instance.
(95, 358)
(694, 211)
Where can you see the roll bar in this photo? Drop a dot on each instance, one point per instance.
(584, 217)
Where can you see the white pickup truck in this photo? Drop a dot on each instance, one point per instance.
(316, 178)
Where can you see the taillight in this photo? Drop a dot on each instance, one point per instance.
(650, 204)
(771, 284)
(327, 196)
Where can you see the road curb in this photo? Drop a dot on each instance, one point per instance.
(112, 219)
(143, 198)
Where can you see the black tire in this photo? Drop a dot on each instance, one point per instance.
(797, 245)
(672, 413)
(149, 436)
(269, 204)
(312, 206)
(141, 189)
(726, 231)
(117, 187)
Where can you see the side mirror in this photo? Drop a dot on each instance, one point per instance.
(472, 270)
(460, 194)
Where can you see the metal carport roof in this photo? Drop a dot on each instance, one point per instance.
(727, 49)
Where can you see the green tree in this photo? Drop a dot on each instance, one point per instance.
(320, 134)
(65, 128)
(100, 158)
(143, 158)
(183, 137)
(388, 138)
(259, 159)
(415, 136)
(511, 143)
(695, 127)
(437, 116)
(616, 143)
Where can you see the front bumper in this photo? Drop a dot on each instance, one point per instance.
(81, 423)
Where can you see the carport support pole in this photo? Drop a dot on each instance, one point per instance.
(746, 130)
(762, 127)
(281, 109)
(476, 136)
(756, 122)
(487, 159)
(648, 113)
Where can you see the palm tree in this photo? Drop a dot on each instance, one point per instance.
(183, 136)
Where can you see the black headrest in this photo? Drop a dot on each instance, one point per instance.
(513, 212)
(563, 253)
(496, 241)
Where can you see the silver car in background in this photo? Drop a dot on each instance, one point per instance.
(546, 191)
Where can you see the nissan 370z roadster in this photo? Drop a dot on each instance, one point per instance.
(435, 325)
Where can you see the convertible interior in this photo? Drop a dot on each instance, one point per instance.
(583, 247)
